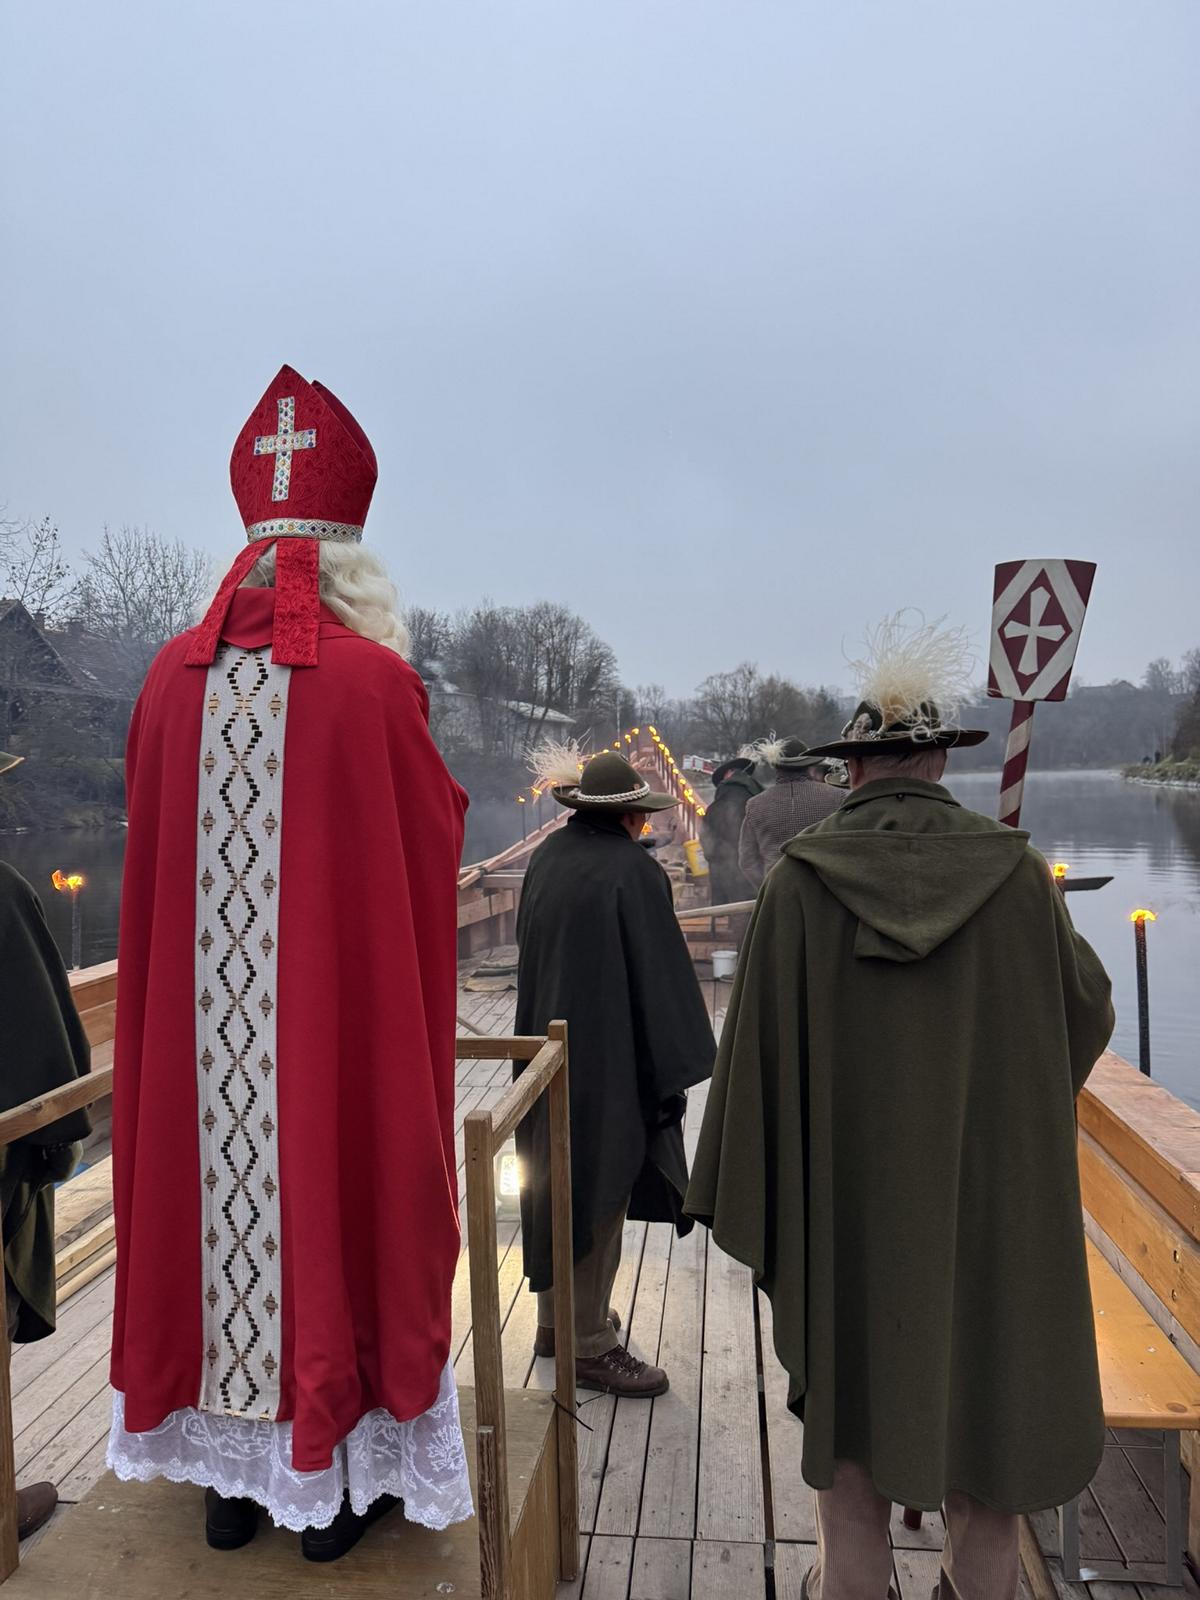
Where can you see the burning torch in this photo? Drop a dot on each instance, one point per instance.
(72, 883)
(1139, 919)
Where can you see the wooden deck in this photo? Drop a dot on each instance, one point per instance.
(689, 1497)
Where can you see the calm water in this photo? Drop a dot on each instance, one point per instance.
(1149, 839)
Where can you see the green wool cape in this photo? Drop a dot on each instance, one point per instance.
(600, 948)
(44, 1046)
(890, 1145)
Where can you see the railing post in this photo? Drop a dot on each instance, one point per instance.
(564, 1310)
(10, 1556)
(495, 1529)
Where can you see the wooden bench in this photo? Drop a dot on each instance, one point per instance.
(1146, 1385)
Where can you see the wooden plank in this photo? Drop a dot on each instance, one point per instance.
(720, 1571)
(792, 1562)
(792, 1501)
(931, 1535)
(573, 1590)
(47, 1108)
(608, 1565)
(146, 1541)
(82, 1201)
(598, 1410)
(40, 1434)
(730, 1490)
(76, 1319)
(94, 986)
(495, 1523)
(9, 1544)
(917, 1573)
(662, 1570)
(75, 1358)
(1146, 1383)
(62, 1454)
(673, 1453)
(621, 1494)
(1150, 1134)
(1130, 1514)
(1162, 1253)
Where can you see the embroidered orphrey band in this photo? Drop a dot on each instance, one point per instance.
(237, 963)
(290, 528)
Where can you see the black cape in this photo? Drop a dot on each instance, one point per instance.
(600, 948)
(44, 1047)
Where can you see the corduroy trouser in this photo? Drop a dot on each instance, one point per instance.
(595, 1275)
(980, 1560)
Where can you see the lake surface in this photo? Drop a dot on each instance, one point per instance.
(1148, 839)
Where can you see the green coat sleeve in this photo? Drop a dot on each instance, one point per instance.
(748, 1177)
(1087, 996)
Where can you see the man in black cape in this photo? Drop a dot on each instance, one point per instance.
(44, 1048)
(600, 947)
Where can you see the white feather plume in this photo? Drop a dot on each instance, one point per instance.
(768, 749)
(556, 765)
(909, 662)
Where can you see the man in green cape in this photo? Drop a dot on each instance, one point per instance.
(601, 948)
(44, 1048)
(889, 1143)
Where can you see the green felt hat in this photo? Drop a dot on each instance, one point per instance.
(609, 783)
(7, 762)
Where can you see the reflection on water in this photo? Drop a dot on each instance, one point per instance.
(1149, 839)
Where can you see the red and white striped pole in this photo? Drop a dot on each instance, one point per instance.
(1016, 759)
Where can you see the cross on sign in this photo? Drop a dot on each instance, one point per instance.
(281, 444)
(1033, 631)
(1037, 611)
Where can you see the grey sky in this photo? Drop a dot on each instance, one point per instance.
(733, 325)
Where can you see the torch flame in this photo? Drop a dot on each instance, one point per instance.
(1061, 869)
(63, 881)
(1142, 915)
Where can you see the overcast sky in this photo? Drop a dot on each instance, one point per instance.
(734, 326)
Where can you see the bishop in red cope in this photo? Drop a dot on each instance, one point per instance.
(283, 1148)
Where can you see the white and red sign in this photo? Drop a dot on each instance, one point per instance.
(1037, 614)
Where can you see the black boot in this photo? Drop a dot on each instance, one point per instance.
(344, 1532)
(229, 1524)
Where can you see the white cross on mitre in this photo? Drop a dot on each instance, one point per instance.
(281, 444)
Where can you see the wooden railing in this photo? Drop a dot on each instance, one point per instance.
(486, 1133)
(18, 1124)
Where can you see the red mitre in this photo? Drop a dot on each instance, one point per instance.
(302, 470)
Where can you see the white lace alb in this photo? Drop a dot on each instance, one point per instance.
(422, 1462)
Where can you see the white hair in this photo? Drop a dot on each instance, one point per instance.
(356, 588)
(928, 765)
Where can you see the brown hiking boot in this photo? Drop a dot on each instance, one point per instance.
(543, 1339)
(617, 1372)
(35, 1507)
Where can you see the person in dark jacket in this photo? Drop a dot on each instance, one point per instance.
(600, 947)
(44, 1048)
(890, 1144)
(734, 786)
(797, 798)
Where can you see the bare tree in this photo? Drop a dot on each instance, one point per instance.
(1189, 671)
(431, 634)
(33, 569)
(1161, 677)
(139, 590)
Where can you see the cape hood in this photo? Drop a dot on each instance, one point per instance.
(910, 889)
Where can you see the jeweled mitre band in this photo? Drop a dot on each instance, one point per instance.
(290, 528)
